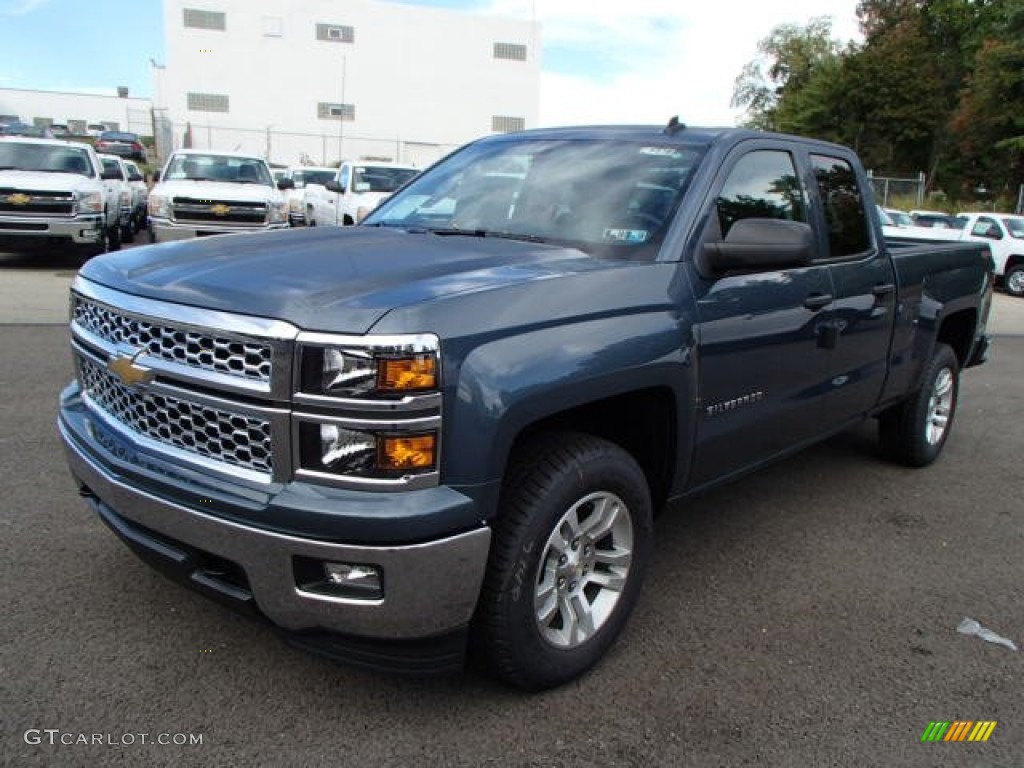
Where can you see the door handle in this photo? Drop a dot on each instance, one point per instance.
(884, 289)
(816, 301)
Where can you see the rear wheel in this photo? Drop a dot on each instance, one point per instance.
(571, 545)
(915, 431)
(1013, 280)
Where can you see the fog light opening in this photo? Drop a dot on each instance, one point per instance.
(357, 581)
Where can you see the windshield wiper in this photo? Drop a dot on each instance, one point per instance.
(455, 231)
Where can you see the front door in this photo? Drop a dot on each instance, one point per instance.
(762, 369)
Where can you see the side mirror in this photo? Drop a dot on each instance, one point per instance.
(760, 244)
(335, 186)
(156, 176)
(108, 175)
(286, 184)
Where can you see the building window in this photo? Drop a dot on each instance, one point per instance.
(511, 51)
(506, 124)
(273, 26)
(207, 102)
(204, 19)
(335, 33)
(76, 127)
(327, 111)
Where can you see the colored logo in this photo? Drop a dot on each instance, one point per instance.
(19, 198)
(130, 374)
(959, 730)
(220, 209)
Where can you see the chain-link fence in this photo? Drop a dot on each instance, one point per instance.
(283, 147)
(888, 188)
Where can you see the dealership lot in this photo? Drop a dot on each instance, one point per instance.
(802, 616)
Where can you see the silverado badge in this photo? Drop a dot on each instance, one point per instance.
(130, 374)
(19, 198)
(220, 209)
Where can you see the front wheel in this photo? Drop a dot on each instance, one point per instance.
(914, 432)
(1013, 280)
(571, 545)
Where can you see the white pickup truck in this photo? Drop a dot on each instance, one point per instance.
(1003, 232)
(205, 192)
(52, 193)
(357, 188)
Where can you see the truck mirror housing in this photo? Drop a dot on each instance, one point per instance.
(335, 186)
(286, 184)
(759, 244)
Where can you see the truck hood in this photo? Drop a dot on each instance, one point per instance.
(48, 182)
(330, 279)
(217, 190)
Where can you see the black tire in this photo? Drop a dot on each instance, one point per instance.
(114, 237)
(549, 478)
(915, 431)
(1013, 280)
(127, 233)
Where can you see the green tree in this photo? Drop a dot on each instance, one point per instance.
(788, 60)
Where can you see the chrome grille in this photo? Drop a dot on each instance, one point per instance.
(44, 203)
(233, 438)
(222, 212)
(247, 359)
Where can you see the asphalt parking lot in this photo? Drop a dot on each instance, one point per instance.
(803, 616)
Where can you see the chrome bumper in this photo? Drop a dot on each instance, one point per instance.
(81, 230)
(429, 588)
(165, 230)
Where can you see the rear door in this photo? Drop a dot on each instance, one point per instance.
(864, 286)
(762, 372)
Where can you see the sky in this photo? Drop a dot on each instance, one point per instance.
(603, 61)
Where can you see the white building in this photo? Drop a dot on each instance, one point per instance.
(318, 80)
(77, 110)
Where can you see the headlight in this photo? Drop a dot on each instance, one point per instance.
(277, 211)
(159, 206)
(378, 369)
(91, 202)
(333, 449)
(397, 379)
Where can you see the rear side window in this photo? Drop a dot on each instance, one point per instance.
(844, 206)
(762, 185)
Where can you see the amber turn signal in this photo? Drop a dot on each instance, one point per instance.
(410, 452)
(407, 373)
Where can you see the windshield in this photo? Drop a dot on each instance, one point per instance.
(302, 178)
(1015, 227)
(375, 178)
(239, 170)
(612, 198)
(47, 158)
(112, 166)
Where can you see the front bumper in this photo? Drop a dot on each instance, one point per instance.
(165, 230)
(430, 588)
(86, 229)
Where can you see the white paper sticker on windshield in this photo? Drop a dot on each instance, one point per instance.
(362, 186)
(660, 151)
(626, 235)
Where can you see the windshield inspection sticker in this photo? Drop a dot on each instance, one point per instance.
(626, 235)
(661, 152)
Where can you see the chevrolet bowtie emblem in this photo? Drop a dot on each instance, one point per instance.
(19, 198)
(126, 369)
(220, 209)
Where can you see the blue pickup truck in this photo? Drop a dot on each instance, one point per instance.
(450, 427)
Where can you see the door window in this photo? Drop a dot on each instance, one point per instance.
(763, 185)
(841, 198)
